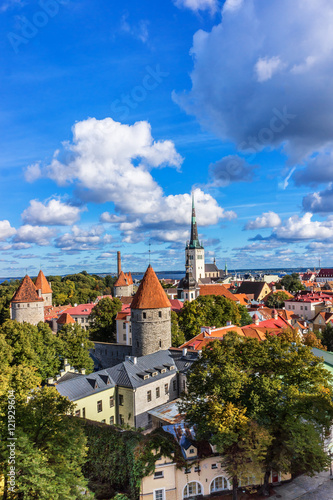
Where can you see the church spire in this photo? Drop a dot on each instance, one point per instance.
(194, 242)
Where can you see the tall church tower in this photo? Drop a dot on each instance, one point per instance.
(194, 252)
(150, 317)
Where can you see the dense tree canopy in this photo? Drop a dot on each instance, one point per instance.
(327, 337)
(211, 310)
(75, 345)
(291, 282)
(277, 299)
(103, 319)
(280, 386)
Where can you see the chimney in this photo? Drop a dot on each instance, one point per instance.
(184, 351)
(50, 381)
(255, 318)
(274, 288)
(39, 291)
(135, 360)
(118, 263)
(83, 371)
(229, 323)
(275, 314)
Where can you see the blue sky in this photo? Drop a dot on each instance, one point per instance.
(112, 114)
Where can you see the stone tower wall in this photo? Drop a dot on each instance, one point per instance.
(151, 330)
(29, 312)
(47, 299)
(123, 291)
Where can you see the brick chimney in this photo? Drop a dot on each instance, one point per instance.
(118, 263)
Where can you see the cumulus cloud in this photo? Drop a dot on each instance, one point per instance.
(320, 202)
(52, 213)
(304, 228)
(267, 219)
(243, 49)
(6, 230)
(79, 239)
(40, 235)
(197, 5)
(231, 168)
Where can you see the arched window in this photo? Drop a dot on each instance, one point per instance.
(220, 483)
(192, 489)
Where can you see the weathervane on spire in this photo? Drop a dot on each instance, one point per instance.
(149, 244)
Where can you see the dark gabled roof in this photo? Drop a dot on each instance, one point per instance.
(211, 268)
(183, 363)
(68, 376)
(130, 374)
(252, 288)
(85, 385)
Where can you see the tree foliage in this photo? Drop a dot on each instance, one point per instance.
(327, 337)
(277, 299)
(211, 310)
(281, 387)
(103, 319)
(50, 449)
(177, 335)
(75, 345)
(291, 282)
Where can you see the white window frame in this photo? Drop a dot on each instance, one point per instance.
(163, 493)
(194, 494)
(216, 491)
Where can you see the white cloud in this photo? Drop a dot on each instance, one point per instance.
(39, 235)
(266, 67)
(111, 162)
(197, 5)
(6, 231)
(304, 228)
(33, 172)
(292, 104)
(232, 5)
(267, 219)
(79, 239)
(52, 213)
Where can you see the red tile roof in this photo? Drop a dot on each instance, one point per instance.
(81, 310)
(27, 292)
(217, 290)
(51, 312)
(124, 279)
(176, 305)
(42, 283)
(65, 319)
(150, 294)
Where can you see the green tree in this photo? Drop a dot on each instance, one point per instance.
(291, 283)
(50, 449)
(75, 345)
(327, 337)
(177, 336)
(312, 340)
(245, 318)
(103, 319)
(280, 386)
(33, 346)
(277, 299)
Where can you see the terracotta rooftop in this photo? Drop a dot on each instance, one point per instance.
(42, 283)
(217, 290)
(27, 292)
(150, 294)
(124, 279)
(65, 319)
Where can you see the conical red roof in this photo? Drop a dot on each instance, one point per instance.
(42, 283)
(65, 319)
(150, 294)
(122, 280)
(27, 292)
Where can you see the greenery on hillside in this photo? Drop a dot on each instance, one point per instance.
(291, 283)
(241, 389)
(211, 310)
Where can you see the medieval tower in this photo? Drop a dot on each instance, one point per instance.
(123, 287)
(194, 252)
(27, 305)
(150, 317)
(46, 290)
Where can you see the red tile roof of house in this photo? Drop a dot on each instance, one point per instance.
(124, 279)
(51, 312)
(81, 310)
(27, 292)
(150, 294)
(42, 283)
(65, 319)
(176, 305)
(242, 298)
(217, 290)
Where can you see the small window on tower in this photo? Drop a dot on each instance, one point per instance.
(160, 314)
(144, 315)
(160, 343)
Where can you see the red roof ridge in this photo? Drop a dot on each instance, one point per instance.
(27, 292)
(150, 294)
(42, 283)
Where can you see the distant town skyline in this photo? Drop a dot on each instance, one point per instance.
(112, 115)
